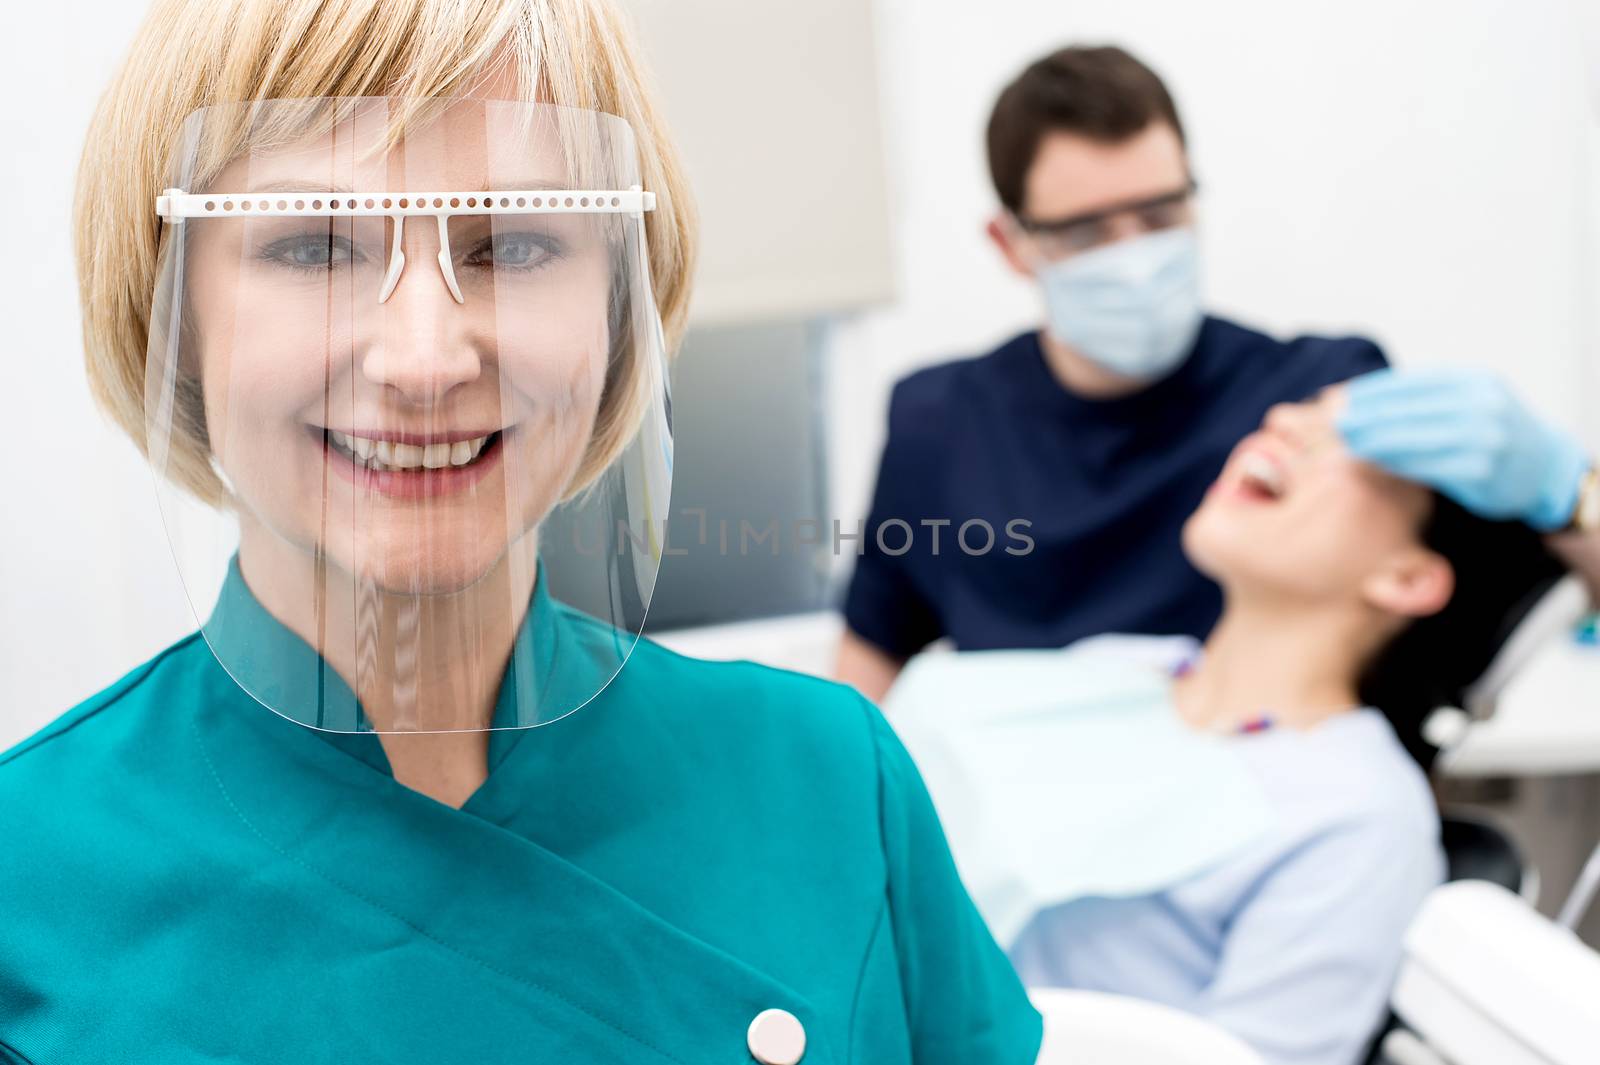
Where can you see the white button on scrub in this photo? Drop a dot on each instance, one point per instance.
(776, 1037)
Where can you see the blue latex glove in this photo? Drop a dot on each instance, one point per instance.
(1465, 434)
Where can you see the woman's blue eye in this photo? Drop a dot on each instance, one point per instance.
(511, 251)
(311, 252)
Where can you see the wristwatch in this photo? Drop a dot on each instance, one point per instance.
(1586, 512)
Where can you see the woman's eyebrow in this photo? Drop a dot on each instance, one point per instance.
(297, 185)
(531, 184)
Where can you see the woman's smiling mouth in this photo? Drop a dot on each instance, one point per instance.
(412, 465)
(399, 455)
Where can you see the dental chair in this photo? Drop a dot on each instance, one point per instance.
(1486, 979)
(1474, 848)
(1093, 1028)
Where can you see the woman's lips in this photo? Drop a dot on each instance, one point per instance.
(1242, 491)
(1253, 476)
(413, 466)
(402, 436)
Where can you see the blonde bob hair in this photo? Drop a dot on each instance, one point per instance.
(191, 54)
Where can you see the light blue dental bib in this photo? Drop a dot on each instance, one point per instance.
(1065, 774)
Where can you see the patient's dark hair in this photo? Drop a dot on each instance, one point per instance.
(1501, 570)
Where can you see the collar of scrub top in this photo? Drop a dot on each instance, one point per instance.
(274, 665)
(175, 205)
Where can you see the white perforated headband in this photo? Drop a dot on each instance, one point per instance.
(175, 205)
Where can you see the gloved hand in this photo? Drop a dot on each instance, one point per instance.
(1464, 433)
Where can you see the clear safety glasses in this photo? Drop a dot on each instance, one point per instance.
(1061, 238)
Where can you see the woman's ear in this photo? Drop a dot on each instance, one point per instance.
(1414, 584)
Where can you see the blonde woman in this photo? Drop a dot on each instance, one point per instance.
(384, 285)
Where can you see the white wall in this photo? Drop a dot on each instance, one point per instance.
(87, 586)
(1368, 166)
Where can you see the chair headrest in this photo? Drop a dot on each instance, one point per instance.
(1552, 612)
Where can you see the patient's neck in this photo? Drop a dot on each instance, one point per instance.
(1297, 666)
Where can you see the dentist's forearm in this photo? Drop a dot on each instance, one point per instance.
(866, 667)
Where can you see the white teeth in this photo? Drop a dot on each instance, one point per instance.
(389, 455)
(1262, 472)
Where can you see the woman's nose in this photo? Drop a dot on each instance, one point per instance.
(421, 344)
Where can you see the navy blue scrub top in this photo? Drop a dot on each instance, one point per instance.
(1103, 485)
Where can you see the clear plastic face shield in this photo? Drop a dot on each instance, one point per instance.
(394, 337)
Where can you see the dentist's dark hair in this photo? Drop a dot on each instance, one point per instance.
(1098, 92)
(1502, 569)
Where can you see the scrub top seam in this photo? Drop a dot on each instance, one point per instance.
(12, 1055)
(422, 932)
(861, 976)
(115, 695)
(886, 910)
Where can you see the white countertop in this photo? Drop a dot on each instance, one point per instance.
(805, 643)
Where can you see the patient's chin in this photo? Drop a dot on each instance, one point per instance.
(1266, 564)
(1239, 556)
(1209, 544)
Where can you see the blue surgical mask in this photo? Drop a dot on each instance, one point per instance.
(1132, 307)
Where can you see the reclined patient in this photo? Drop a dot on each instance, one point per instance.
(1233, 829)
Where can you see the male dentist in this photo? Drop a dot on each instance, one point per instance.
(1101, 430)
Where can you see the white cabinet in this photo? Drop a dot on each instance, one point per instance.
(775, 106)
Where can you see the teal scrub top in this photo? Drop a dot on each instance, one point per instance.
(188, 877)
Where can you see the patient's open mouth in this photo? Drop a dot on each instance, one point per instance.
(1261, 477)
